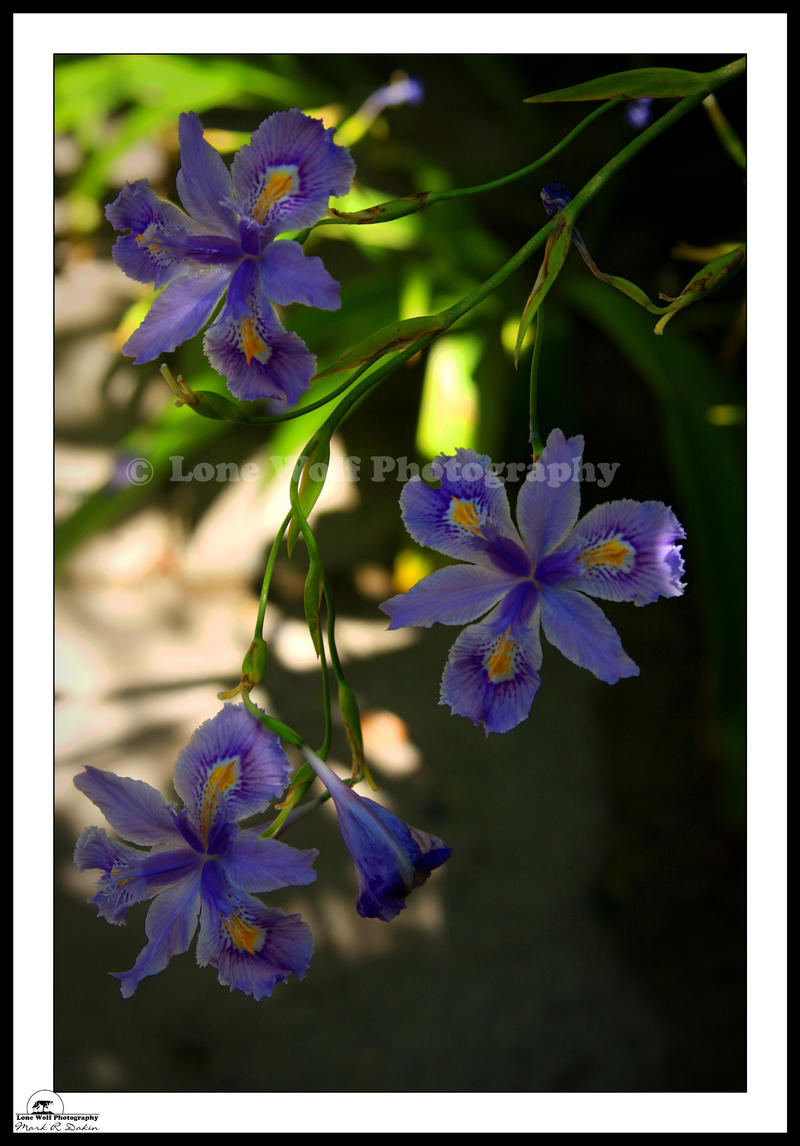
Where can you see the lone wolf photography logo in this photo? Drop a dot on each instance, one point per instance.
(45, 1102)
(44, 1110)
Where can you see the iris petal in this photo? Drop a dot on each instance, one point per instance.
(450, 596)
(548, 508)
(171, 922)
(184, 308)
(256, 356)
(286, 275)
(145, 254)
(204, 183)
(491, 675)
(122, 885)
(452, 518)
(288, 172)
(580, 630)
(625, 551)
(255, 864)
(133, 808)
(231, 768)
(252, 947)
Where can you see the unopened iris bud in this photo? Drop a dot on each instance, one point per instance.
(312, 599)
(348, 705)
(391, 858)
(205, 402)
(255, 662)
(215, 406)
(555, 197)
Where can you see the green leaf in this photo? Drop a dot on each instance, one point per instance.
(656, 82)
(555, 254)
(395, 336)
(712, 276)
(348, 706)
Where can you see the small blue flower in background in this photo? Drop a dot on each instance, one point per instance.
(199, 862)
(391, 857)
(281, 181)
(639, 112)
(403, 89)
(544, 572)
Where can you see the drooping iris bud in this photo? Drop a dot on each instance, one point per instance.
(391, 857)
(555, 197)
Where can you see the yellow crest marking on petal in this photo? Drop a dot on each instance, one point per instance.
(611, 552)
(115, 872)
(221, 778)
(252, 345)
(280, 184)
(465, 515)
(243, 935)
(500, 665)
(152, 245)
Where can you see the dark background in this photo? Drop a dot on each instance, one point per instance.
(592, 934)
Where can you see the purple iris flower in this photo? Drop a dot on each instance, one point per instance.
(280, 182)
(199, 862)
(391, 857)
(545, 571)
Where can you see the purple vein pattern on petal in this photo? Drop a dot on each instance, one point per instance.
(231, 767)
(290, 169)
(465, 515)
(491, 675)
(625, 551)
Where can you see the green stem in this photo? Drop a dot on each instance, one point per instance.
(300, 785)
(273, 557)
(725, 133)
(535, 439)
(442, 196)
(326, 701)
(399, 208)
(277, 726)
(270, 419)
(632, 149)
